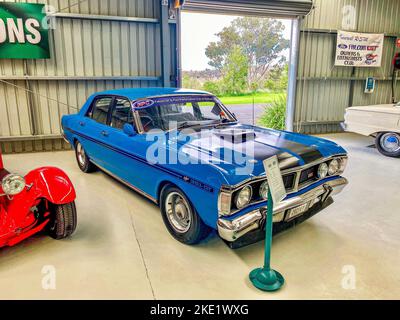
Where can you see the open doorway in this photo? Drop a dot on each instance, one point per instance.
(242, 60)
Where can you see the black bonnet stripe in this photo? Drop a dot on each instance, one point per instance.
(306, 153)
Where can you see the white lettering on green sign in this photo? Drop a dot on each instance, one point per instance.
(18, 30)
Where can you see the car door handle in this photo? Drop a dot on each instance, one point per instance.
(81, 123)
(104, 133)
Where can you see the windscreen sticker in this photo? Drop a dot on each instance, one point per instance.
(142, 104)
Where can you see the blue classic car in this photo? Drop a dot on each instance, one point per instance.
(184, 150)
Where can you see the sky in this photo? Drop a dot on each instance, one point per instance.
(198, 30)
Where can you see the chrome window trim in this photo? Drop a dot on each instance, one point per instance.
(296, 188)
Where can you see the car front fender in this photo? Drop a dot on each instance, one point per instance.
(51, 184)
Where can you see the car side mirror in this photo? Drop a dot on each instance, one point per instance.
(129, 129)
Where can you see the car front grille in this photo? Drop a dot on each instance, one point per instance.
(309, 175)
(289, 180)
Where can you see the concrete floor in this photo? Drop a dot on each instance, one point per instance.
(121, 249)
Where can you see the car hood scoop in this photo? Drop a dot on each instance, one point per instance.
(236, 135)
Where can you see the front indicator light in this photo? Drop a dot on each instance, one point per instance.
(343, 164)
(224, 204)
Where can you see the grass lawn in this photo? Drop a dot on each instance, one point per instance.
(258, 98)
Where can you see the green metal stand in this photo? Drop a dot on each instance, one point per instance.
(265, 278)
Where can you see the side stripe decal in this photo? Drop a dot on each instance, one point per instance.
(186, 179)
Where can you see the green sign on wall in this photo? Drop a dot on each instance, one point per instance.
(23, 31)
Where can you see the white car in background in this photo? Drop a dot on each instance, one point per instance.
(379, 121)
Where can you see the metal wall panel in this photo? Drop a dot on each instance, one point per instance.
(130, 8)
(100, 48)
(382, 94)
(325, 91)
(95, 45)
(320, 102)
(14, 110)
(317, 56)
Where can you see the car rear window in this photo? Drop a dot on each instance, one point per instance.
(100, 109)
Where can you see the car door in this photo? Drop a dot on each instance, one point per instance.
(129, 153)
(95, 126)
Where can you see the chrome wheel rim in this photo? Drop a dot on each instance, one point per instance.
(178, 212)
(81, 154)
(390, 142)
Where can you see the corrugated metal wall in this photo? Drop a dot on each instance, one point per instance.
(96, 45)
(325, 91)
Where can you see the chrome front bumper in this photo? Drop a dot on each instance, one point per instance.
(231, 230)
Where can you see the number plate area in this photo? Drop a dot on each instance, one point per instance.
(298, 211)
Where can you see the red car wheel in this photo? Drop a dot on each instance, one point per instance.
(63, 222)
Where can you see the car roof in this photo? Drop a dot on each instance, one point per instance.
(140, 93)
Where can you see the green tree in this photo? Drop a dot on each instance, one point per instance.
(277, 80)
(261, 40)
(190, 82)
(213, 87)
(235, 72)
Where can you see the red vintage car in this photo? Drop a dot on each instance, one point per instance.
(43, 200)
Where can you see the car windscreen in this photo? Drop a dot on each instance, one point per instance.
(171, 112)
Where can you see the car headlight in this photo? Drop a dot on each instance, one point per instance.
(243, 197)
(334, 167)
(13, 184)
(323, 170)
(264, 190)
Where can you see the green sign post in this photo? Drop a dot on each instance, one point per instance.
(23, 31)
(265, 278)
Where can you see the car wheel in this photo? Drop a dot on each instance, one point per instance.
(83, 161)
(63, 221)
(388, 143)
(180, 218)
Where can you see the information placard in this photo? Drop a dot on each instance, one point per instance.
(275, 181)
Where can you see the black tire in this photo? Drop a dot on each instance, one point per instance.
(197, 230)
(380, 140)
(63, 221)
(82, 159)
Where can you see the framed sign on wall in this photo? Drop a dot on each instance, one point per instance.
(23, 31)
(359, 49)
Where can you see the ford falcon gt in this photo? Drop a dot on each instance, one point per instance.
(185, 151)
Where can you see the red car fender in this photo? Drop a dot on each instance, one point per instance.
(51, 184)
(17, 214)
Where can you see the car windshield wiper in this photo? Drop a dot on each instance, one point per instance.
(187, 124)
(223, 122)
